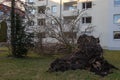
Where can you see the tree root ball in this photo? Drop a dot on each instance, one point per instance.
(89, 56)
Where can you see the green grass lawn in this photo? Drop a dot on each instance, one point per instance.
(34, 68)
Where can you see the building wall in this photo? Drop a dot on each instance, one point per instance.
(102, 12)
(113, 43)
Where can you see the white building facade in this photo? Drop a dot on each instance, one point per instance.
(103, 14)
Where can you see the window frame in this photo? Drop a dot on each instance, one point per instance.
(114, 35)
(84, 20)
(85, 6)
(41, 9)
(116, 4)
(52, 9)
(114, 21)
(39, 21)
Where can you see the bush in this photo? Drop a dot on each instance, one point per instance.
(3, 31)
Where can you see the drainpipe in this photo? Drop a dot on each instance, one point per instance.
(46, 2)
(60, 10)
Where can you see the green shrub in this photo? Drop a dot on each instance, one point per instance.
(3, 31)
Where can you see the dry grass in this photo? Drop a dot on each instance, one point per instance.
(34, 68)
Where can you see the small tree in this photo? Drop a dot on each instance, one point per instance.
(22, 39)
(19, 38)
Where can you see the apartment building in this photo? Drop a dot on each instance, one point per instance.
(103, 14)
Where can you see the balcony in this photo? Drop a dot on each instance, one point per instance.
(70, 5)
(41, 2)
(69, 8)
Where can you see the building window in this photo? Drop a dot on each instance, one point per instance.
(30, 1)
(117, 18)
(117, 2)
(41, 9)
(86, 5)
(31, 23)
(86, 19)
(70, 5)
(32, 11)
(116, 34)
(54, 9)
(41, 22)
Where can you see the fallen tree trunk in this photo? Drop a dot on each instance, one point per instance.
(89, 56)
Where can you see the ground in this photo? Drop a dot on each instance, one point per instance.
(35, 68)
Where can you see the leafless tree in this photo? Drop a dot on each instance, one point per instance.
(65, 30)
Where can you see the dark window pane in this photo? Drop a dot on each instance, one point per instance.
(89, 5)
(83, 19)
(41, 9)
(88, 19)
(86, 5)
(116, 34)
(83, 5)
(41, 22)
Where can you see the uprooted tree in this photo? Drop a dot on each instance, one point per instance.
(88, 56)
